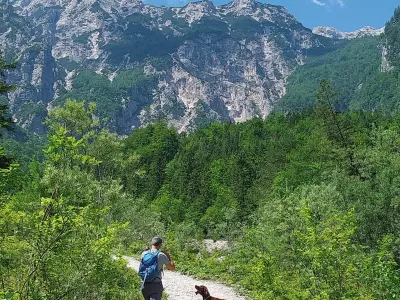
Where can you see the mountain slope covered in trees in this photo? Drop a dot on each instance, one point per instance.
(364, 71)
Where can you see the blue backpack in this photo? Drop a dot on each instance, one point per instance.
(148, 268)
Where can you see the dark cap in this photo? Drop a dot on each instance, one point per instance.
(156, 241)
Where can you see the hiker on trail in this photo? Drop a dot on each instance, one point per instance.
(150, 269)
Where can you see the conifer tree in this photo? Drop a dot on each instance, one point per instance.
(392, 35)
(5, 121)
(336, 127)
(4, 88)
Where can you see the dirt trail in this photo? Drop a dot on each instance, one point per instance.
(181, 287)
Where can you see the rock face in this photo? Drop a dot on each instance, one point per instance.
(190, 65)
(333, 33)
(385, 65)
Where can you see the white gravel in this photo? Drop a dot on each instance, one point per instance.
(181, 287)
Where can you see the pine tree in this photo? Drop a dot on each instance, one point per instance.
(336, 127)
(4, 88)
(392, 35)
(5, 121)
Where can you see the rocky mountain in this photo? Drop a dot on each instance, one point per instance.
(189, 65)
(333, 33)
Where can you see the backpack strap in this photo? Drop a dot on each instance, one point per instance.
(156, 255)
(144, 280)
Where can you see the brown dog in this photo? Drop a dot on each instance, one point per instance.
(203, 291)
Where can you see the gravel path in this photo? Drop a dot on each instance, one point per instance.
(181, 287)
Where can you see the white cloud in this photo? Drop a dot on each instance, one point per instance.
(318, 3)
(341, 3)
(337, 2)
(330, 3)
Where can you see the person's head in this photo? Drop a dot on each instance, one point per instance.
(156, 242)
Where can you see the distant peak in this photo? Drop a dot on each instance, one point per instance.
(206, 4)
(242, 7)
(118, 4)
(243, 3)
(194, 11)
(128, 3)
(337, 34)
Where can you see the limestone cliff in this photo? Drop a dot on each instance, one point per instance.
(189, 65)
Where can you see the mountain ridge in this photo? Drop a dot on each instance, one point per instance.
(189, 65)
(332, 32)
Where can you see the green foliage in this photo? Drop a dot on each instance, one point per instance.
(350, 69)
(139, 42)
(160, 63)
(215, 176)
(29, 109)
(301, 222)
(355, 70)
(204, 116)
(314, 194)
(242, 28)
(110, 96)
(309, 201)
(59, 231)
(209, 26)
(155, 146)
(379, 92)
(392, 33)
(90, 86)
(23, 146)
(327, 257)
(5, 120)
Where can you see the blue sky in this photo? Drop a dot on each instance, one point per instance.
(345, 15)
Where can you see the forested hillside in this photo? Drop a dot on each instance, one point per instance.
(365, 72)
(309, 202)
(348, 68)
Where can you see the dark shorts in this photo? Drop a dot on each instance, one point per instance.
(152, 291)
